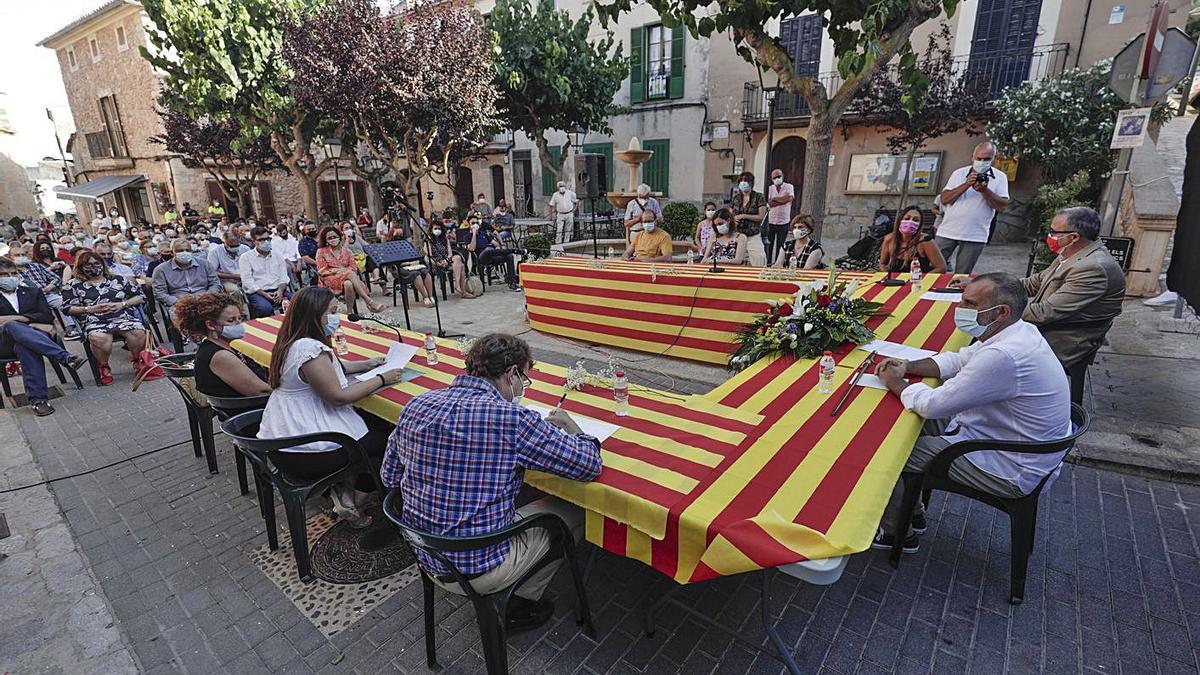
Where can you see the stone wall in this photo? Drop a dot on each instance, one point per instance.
(16, 197)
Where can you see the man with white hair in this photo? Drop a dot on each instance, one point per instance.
(970, 200)
(637, 206)
(563, 205)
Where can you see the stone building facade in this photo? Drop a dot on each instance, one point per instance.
(112, 93)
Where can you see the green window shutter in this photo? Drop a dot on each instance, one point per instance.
(675, 85)
(656, 172)
(637, 64)
(549, 184)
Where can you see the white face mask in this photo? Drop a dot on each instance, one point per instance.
(437, 232)
(800, 232)
(518, 390)
(723, 228)
(982, 165)
(744, 186)
(710, 213)
(561, 191)
(649, 227)
(778, 180)
(967, 320)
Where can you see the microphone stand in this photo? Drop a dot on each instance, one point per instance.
(889, 281)
(437, 305)
(358, 318)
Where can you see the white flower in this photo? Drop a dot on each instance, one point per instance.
(772, 302)
(808, 327)
(818, 285)
(852, 287)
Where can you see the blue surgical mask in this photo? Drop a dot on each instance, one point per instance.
(967, 320)
(9, 284)
(233, 331)
(264, 246)
(982, 165)
(744, 186)
(184, 258)
(332, 321)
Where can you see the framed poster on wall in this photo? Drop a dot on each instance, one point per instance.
(883, 173)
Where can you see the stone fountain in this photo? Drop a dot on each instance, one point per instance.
(633, 157)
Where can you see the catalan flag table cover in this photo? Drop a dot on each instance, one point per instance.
(672, 310)
(754, 474)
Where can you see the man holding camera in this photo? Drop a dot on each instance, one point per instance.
(970, 200)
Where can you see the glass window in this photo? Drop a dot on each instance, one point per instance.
(121, 43)
(658, 61)
(71, 62)
(95, 48)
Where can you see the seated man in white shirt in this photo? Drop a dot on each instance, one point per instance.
(264, 275)
(1008, 386)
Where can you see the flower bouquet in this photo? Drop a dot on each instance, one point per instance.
(822, 316)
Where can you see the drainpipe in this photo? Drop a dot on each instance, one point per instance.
(1087, 12)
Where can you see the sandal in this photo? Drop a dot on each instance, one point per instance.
(343, 506)
(106, 377)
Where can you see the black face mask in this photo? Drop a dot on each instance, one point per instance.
(167, 255)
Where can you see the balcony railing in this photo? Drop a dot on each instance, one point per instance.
(1001, 69)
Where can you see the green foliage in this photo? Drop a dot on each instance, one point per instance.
(1063, 124)
(538, 246)
(680, 218)
(1052, 198)
(549, 74)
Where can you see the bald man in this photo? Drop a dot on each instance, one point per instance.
(970, 200)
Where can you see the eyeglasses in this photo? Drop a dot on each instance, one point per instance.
(525, 378)
(1058, 233)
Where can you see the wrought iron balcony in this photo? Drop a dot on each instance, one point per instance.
(1001, 69)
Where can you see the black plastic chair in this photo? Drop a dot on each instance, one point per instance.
(226, 407)
(243, 429)
(178, 368)
(173, 333)
(1077, 374)
(58, 370)
(1022, 511)
(490, 609)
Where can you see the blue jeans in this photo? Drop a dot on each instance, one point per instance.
(260, 306)
(30, 345)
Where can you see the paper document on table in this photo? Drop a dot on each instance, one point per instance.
(589, 426)
(872, 381)
(397, 357)
(896, 350)
(942, 296)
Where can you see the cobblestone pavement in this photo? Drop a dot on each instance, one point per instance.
(1114, 584)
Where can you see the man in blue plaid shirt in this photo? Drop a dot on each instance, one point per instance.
(459, 457)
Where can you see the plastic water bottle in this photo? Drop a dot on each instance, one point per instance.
(914, 272)
(431, 357)
(339, 342)
(609, 254)
(691, 257)
(285, 304)
(828, 367)
(792, 262)
(620, 394)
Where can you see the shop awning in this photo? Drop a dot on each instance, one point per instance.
(96, 188)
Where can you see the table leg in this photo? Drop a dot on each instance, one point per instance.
(785, 654)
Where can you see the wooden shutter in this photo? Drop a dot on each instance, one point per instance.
(360, 199)
(657, 171)
(266, 202)
(214, 192)
(675, 84)
(327, 203)
(549, 184)
(637, 64)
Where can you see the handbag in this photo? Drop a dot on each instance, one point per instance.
(146, 369)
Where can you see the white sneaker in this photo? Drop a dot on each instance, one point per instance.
(1162, 300)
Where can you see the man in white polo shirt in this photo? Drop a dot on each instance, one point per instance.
(970, 200)
(563, 204)
(779, 213)
(1008, 386)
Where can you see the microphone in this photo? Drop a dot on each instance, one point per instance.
(359, 318)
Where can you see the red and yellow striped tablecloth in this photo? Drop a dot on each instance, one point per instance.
(681, 311)
(754, 474)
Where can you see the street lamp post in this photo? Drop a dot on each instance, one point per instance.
(770, 93)
(333, 150)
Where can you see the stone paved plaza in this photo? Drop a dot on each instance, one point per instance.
(1114, 584)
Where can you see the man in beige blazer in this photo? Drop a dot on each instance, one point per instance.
(1076, 298)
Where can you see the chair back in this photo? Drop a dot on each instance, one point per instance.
(243, 429)
(178, 365)
(228, 406)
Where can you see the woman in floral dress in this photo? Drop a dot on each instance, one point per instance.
(105, 304)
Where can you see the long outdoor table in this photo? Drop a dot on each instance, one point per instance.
(671, 310)
(753, 475)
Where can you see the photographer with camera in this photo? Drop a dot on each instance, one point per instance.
(970, 200)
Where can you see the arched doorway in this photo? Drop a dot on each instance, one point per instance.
(464, 187)
(788, 154)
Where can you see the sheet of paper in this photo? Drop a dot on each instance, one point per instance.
(591, 427)
(896, 350)
(872, 381)
(943, 297)
(398, 356)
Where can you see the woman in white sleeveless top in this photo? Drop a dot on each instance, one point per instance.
(310, 394)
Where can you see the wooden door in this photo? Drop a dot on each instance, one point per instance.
(788, 155)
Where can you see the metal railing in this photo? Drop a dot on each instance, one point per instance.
(1001, 69)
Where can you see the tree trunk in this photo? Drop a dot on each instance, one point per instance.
(245, 202)
(816, 167)
(908, 171)
(308, 190)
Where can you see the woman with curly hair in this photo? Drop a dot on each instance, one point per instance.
(104, 302)
(338, 271)
(214, 320)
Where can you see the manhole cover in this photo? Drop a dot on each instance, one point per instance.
(345, 555)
